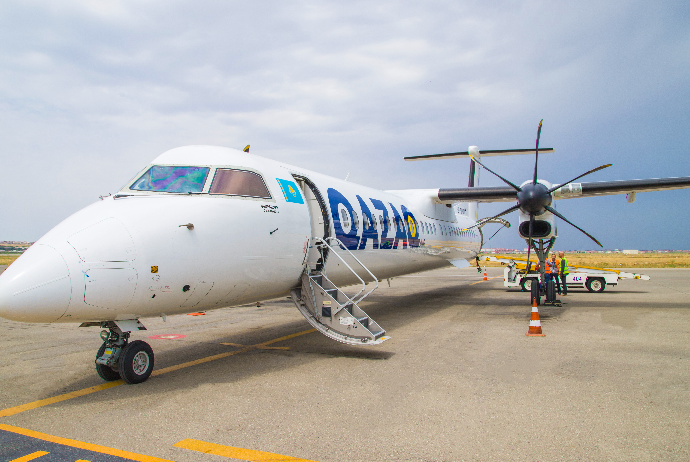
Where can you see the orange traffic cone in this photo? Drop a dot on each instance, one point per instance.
(534, 322)
(485, 278)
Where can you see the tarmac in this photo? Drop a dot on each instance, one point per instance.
(457, 381)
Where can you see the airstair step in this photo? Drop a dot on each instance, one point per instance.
(317, 300)
(333, 293)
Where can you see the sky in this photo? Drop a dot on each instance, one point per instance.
(92, 91)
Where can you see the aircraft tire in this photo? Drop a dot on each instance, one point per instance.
(551, 291)
(595, 284)
(535, 293)
(136, 362)
(105, 372)
(526, 284)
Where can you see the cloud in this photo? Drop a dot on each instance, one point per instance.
(94, 90)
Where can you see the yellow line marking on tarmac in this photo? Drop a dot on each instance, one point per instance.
(235, 453)
(56, 399)
(75, 394)
(288, 337)
(80, 445)
(486, 278)
(32, 456)
(260, 347)
(165, 370)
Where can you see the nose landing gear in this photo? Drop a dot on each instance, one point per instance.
(117, 358)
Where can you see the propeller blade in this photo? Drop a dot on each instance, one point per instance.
(536, 159)
(517, 188)
(481, 222)
(578, 177)
(552, 210)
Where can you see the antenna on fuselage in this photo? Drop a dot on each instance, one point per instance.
(246, 149)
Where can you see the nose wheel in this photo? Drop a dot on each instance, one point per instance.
(117, 358)
(136, 362)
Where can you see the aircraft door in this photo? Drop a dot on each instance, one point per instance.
(320, 221)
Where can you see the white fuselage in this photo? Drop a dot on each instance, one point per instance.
(145, 253)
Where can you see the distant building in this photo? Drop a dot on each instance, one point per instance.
(631, 251)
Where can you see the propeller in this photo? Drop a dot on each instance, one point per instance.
(535, 198)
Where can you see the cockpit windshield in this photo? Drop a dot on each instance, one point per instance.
(172, 179)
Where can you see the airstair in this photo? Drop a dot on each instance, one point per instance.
(326, 307)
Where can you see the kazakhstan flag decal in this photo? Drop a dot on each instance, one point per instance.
(290, 191)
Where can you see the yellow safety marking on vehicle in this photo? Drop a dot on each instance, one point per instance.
(56, 399)
(75, 394)
(32, 456)
(235, 453)
(81, 445)
(524, 260)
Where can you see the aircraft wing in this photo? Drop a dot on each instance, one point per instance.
(568, 191)
(478, 194)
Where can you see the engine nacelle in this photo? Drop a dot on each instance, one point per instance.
(544, 226)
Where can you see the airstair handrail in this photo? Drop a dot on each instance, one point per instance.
(376, 281)
(353, 299)
(323, 242)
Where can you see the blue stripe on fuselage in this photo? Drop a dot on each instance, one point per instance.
(404, 237)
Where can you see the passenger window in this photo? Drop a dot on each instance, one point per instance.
(239, 183)
(172, 179)
(344, 218)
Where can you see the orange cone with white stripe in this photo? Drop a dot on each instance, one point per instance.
(485, 278)
(534, 322)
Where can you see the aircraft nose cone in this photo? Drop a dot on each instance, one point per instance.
(36, 287)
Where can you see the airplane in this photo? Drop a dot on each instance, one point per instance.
(206, 227)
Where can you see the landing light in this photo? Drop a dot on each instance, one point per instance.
(105, 335)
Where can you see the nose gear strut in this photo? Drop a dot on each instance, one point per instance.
(117, 358)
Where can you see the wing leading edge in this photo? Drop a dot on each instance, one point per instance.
(567, 191)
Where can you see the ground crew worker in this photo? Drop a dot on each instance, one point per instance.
(563, 271)
(552, 271)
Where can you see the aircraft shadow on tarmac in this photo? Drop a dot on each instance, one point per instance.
(392, 311)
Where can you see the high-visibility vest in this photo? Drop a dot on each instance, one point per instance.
(563, 266)
(551, 266)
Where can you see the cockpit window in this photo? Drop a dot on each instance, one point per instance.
(239, 183)
(172, 179)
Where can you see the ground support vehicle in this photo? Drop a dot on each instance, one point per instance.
(593, 279)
